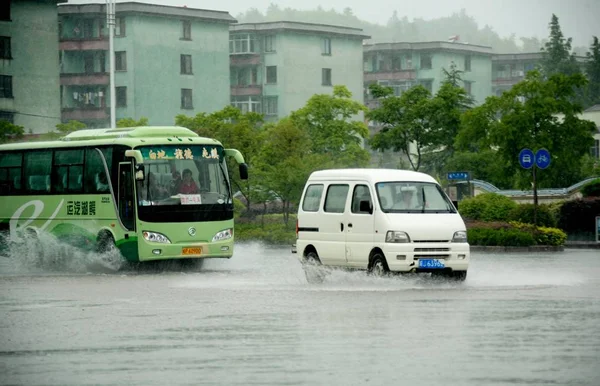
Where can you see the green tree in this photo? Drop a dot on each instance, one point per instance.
(592, 69)
(10, 132)
(233, 129)
(332, 122)
(557, 56)
(130, 122)
(69, 127)
(536, 113)
(405, 121)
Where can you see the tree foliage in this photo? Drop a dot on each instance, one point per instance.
(536, 113)
(592, 69)
(69, 127)
(130, 122)
(558, 57)
(10, 132)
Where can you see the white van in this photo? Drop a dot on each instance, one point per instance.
(380, 220)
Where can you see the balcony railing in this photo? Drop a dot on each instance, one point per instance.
(390, 75)
(246, 90)
(86, 113)
(91, 44)
(96, 78)
(246, 60)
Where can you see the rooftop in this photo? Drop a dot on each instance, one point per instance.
(299, 27)
(428, 46)
(148, 9)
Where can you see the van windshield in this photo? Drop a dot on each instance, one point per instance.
(412, 197)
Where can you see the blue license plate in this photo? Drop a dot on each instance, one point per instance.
(431, 263)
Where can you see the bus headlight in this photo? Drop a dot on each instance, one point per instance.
(223, 235)
(156, 237)
(397, 237)
(459, 237)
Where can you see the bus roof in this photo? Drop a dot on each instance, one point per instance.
(128, 136)
(372, 175)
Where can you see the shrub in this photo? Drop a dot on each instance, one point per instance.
(542, 235)
(579, 216)
(499, 237)
(591, 189)
(524, 213)
(487, 207)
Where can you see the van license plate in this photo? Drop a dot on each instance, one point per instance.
(191, 251)
(431, 263)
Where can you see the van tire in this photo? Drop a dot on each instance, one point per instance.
(378, 265)
(313, 269)
(458, 275)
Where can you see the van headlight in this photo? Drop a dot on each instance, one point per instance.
(156, 237)
(397, 237)
(459, 237)
(223, 235)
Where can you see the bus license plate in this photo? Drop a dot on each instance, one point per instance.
(431, 263)
(191, 251)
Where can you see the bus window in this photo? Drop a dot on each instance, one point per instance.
(68, 169)
(38, 166)
(10, 173)
(96, 180)
(126, 207)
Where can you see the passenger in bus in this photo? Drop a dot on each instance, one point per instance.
(188, 185)
(175, 182)
(101, 182)
(152, 190)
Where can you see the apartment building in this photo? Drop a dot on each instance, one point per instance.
(168, 61)
(277, 66)
(29, 69)
(510, 69)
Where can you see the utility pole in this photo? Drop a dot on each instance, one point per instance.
(110, 21)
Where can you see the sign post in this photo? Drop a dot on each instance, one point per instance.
(528, 160)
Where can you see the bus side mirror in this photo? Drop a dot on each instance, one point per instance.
(140, 172)
(244, 171)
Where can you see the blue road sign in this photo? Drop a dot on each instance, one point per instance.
(542, 158)
(526, 158)
(458, 175)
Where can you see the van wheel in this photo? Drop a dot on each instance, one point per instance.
(313, 269)
(379, 266)
(458, 275)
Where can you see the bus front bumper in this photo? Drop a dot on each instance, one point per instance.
(159, 251)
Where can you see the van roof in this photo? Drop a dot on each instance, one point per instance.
(371, 175)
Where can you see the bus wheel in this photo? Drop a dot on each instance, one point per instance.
(379, 265)
(105, 243)
(313, 269)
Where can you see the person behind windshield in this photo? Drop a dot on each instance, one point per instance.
(404, 200)
(188, 185)
(153, 191)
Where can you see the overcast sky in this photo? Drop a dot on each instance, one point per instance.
(579, 19)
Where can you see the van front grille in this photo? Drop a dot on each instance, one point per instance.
(431, 241)
(432, 249)
(431, 256)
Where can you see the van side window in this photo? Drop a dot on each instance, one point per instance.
(335, 201)
(361, 193)
(312, 198)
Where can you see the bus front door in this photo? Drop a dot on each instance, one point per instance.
(126, 196)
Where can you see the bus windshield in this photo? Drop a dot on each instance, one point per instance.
(184, 175)
(412, 197)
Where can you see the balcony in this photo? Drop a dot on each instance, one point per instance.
(82, 114)
(391, 75)
(238, 60)
(96, 78)
(249, 90)
(91, 44)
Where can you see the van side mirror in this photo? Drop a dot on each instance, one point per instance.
(244, 171)
(140, 172)
(365, 206)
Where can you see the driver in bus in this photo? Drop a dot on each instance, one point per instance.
(188, 185)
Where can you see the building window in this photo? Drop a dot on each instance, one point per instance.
(426, 62)
(120, 61)
(467, 63)
(186, 99)
(5, 10)
(595, 150)
(6, 90)
(270, 43)
(428, 84)
(271, 105)
(242, 44)
(121, 96)
(271, 74)
(5, 52)
(186, 64)
(120, 26)
(9, 117)
(468, 86)
(326, 46)
(187, 30)
(326, 76)
(247, 104)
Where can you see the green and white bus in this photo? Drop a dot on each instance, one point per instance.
(155, 193)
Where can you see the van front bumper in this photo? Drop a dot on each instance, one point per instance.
(406, 257)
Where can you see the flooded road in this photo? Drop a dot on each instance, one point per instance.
(518, 319)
